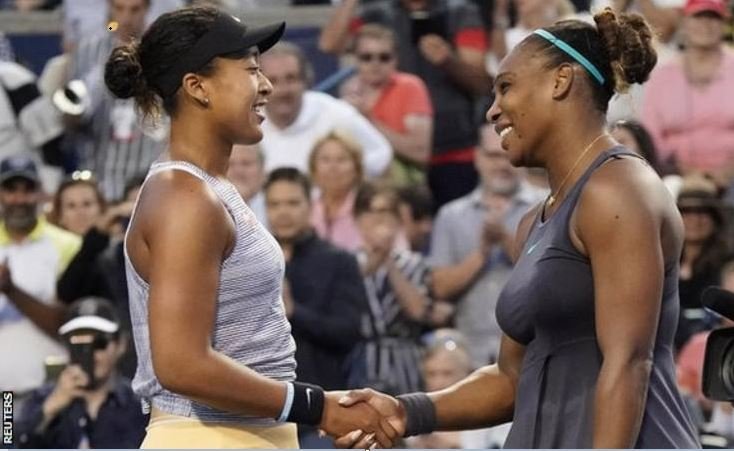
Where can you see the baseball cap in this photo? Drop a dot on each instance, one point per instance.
(227, 35)
(697, 6)
(91, 313)
(18, 166)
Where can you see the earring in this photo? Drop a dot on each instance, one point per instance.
(204, 102)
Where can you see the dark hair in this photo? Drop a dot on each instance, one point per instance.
(290, 175)
(368, 191)
(132, 70)
(376, 32)
(644, 141)
(620, 46)
(55, 215)
(418, 197)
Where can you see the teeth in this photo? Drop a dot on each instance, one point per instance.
(505, 131)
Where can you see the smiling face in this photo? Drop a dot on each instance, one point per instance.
(524, 109)
(238, 92)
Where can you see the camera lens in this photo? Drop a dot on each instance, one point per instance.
(727, 370)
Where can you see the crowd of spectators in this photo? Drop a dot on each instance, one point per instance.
(391, 197)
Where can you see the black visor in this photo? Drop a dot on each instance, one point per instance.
(227, 35)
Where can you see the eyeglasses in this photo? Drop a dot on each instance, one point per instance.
(369, 57)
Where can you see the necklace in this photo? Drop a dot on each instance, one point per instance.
(553, 197)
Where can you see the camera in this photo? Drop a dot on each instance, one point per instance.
(718, 366)
(81, 350)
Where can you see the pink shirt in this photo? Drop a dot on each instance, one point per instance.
(342, 231)
(696, 124)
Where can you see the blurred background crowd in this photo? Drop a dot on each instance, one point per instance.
(389, 193)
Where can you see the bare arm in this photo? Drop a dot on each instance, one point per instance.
(334, 36)
(450, 281)
(47, 317)
(184, 258)
(485, 398)
(413, 302)
(621, 222)
(467, 70)
(415, 144)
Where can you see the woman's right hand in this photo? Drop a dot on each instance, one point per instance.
(109, 222)
(388, 407)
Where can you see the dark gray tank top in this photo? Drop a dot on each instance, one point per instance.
(548, 306)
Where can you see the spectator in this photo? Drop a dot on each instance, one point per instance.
(297, 117)
(634, 136)
(446, 362)
(323, 293)
(469, 250)
(401, 307)
(687, 106)
(335, 165)
(76, 412)
(444, 43)
(247, 173)
(397, 103)
(78, 203)
(531, 15)
(112, 139)
(29, 122)
(34, 253)
(98, 269)
(705, 248)
(416, 215)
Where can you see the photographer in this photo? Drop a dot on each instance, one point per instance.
(74, 411)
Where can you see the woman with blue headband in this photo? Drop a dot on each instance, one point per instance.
(591, 308)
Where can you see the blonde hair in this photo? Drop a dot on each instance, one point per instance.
(354, 150)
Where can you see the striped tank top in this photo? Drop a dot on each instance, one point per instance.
(250, 326)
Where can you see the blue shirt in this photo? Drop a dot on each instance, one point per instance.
(120, 422)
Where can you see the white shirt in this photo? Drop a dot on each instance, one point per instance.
(321, 114)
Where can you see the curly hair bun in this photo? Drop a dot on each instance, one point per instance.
(629, 43)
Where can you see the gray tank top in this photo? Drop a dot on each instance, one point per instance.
(548, 306)
(250, 327)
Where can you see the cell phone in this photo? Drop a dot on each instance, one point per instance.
(81, 349)
(423, 23)
(53, 366)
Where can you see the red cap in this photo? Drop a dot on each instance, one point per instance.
(715, 6)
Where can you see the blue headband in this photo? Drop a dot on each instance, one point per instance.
(573, 53)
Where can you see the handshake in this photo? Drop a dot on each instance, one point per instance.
(363, 418)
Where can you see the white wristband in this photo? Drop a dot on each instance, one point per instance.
(289, 394)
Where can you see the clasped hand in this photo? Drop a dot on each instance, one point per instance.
(363, 418)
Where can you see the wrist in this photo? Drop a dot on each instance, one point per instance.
(305, 405)
(418, 414)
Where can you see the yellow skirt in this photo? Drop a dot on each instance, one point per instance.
(172, 431)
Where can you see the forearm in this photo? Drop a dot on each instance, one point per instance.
(488, 392)
(472, 78)
(619, 405)
(412, 301)
(411, 146)
(334, 35)
(217, 381)
(664, 20)
(450, 281)
(47, 317)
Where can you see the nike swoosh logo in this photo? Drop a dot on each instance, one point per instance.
(532, 248)
(308, 397)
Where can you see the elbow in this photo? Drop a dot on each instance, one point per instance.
(174, 373)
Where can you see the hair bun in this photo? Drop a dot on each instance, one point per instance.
(123, 73)
(628, 40)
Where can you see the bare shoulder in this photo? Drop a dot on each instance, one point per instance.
(626, 196)
(176, 205)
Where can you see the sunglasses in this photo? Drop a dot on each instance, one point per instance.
(369, 57)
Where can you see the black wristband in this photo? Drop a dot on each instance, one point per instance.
(420, 414)
(308, 404)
